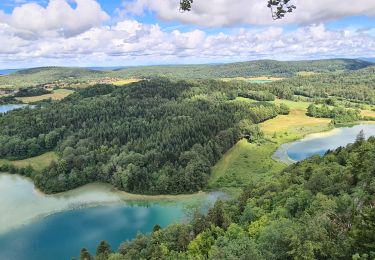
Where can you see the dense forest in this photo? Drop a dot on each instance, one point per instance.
(32, 92)
(37, 76)
(338, 114)
(319, 208)
(152, 137)
(357, 86)
(5, 100)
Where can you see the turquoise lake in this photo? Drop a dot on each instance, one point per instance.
(34, 226)
(319, 144)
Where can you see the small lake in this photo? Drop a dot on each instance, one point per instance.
(8, 71)
(37, 226)
(10, 107)
(319, 144)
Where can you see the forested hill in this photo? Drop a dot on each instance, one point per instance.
(247, 69)
(30, 77)
(156, 136)
(43, 75)
(320, 208)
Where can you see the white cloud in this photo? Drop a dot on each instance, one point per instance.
(216, 13)
(132, 43)
(58, 18)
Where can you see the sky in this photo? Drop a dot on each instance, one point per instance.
(113, 33)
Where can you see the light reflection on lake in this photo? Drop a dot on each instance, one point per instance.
(10, 107)
(320, 143)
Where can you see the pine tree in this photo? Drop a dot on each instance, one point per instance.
(156, 228)
(360, 137)
(103, 249)
(85, 255)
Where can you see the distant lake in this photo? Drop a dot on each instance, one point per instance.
(34, 226)
(320, 143)
(10, 107)
(8, 71)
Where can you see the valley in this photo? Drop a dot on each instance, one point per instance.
(166, 142)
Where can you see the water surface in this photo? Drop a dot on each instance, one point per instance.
(36, 226)
(8, 71)
(10, 107)
(319, 144)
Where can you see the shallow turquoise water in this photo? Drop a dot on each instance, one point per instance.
(7, 108)
(308, 147)
(62, 235)
(34, 226)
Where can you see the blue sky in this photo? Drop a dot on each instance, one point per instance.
(142, 32)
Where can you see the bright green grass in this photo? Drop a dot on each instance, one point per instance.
(292, 104)
(243, 164)
(38, 163)
(248, 162)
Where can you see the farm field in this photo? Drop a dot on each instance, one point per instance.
(125, 81)
(58, 94)
(262, 79)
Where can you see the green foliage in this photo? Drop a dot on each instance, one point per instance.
(31, 92)
(85, 255)
(338, 114)
(319, 208)
(283, 109)
(258, 95)
(149, 137)
(353, 85)
(5, 100)
(38, 76)
(156, 228)
(103, 250)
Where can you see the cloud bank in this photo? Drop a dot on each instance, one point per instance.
(31, 20)
(131, 42)
(59, 34)
(217, 13)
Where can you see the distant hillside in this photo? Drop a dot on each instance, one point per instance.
(42, 75)
(36, 76)
(246, 69)
(369, 59)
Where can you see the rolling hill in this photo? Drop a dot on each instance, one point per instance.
(43, 75)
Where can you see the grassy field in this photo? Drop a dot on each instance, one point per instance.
(125, 81)
(248, 162)
(55, 95)
(244, 163)
(306, 73)
(38, 163)
(255, 79)
(368, 113)
(295, 121)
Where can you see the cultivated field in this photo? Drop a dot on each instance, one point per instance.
(58, 94)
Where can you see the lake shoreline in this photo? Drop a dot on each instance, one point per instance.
(339, 133)
(37, 205)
